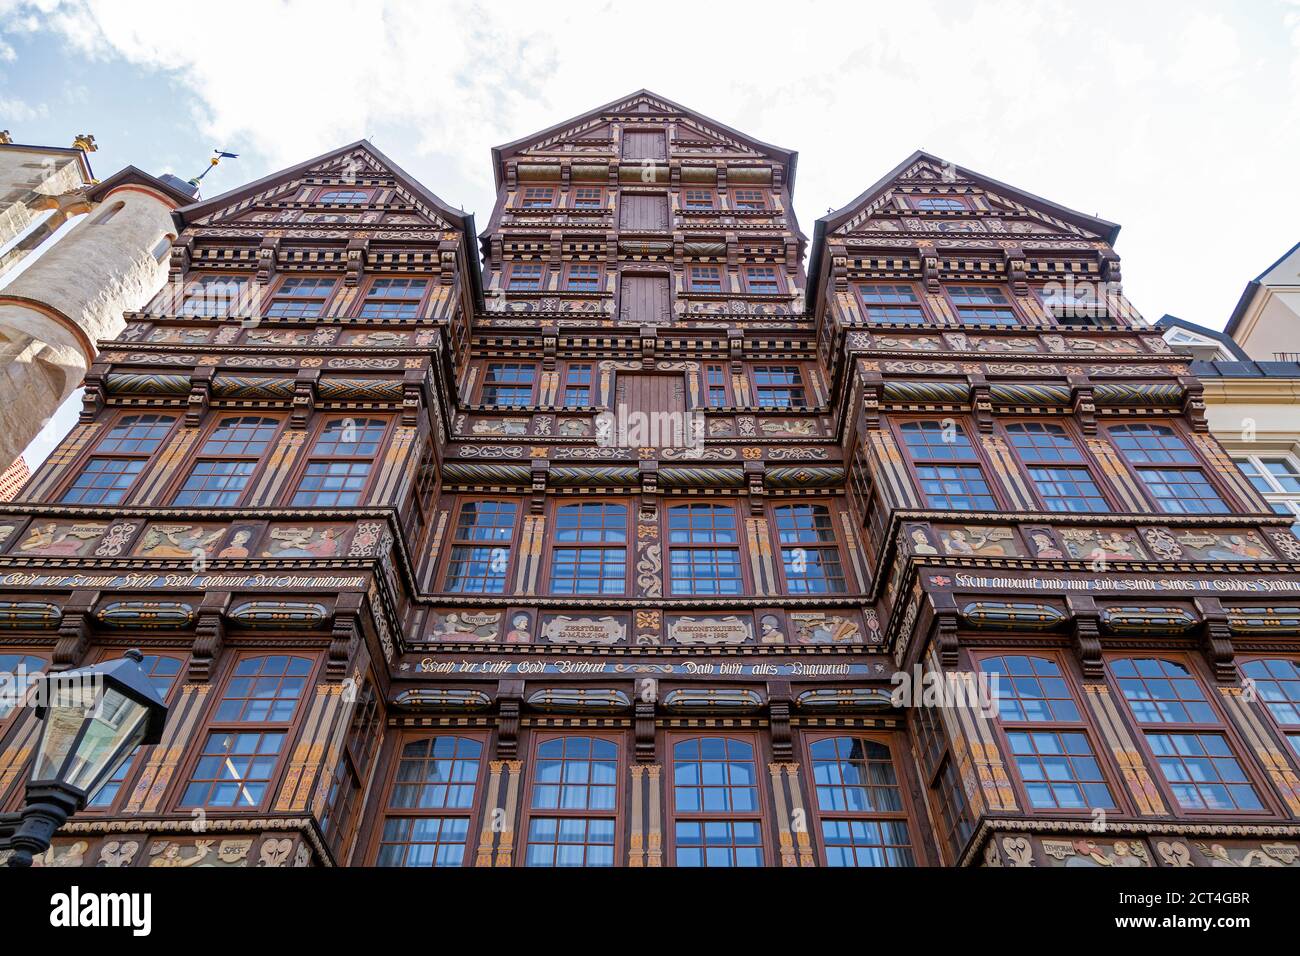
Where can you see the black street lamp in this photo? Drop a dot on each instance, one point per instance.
(92, 721)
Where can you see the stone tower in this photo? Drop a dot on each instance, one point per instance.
(75, 292)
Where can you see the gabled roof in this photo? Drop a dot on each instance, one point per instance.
(133, 175)
(188, 214)
(1248, 294)
(501, 153)
(74, 151)
(833, 220)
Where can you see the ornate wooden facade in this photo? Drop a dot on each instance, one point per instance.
(627, 548)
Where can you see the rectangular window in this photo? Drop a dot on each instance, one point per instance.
(762, 280)
(508, 383)
(748, 199)
(1068, 489)
(344, 197)
(938, 204)
(18, 672)
(588, 197)
(981, 305)
(247, 734)
(525, 277)
(704, 556)
(1175, 490)
(573, 805)
(779, 386)
(589, 550)
(431, 803)
(954, 817)
(809, 553)
(933, 446)
(706, 279)
(538, 197)
(214, 297)
(717, 817)
(300, 297)
(577, 386)
(340, 463)
(481, 543)
(105, 480)
(226, 462)
(859, 803)
(583, 278)
(393, 299)
(891, 304)
(716, 380)
(1195, 759)
(699, 199)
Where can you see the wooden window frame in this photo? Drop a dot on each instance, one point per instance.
(710, 192)
(707, 386)
(131, 769)
(899, 755)
(553, 544)
(525, 202)
(577, 188)
(618, 815)
(941, 782)
(747, 274)
(244, 280)
(1222, 727)
(198, 455)
(746, 584)
(1086, 462)
(291, 729)
(40, 654)
(1111, 774)
(761, 815)
(280, 295)
(95, 452)
(319, 198)
(763, 196)
(977, 460)
(484, 384)
(696, 285)
(1288, 734)
(511, 273)
(835, 545)
(454, 541)
(1197, 463)
(919, 203)
(860, 291)
(421, 305)
(300, 472)
(1008, 303)
(799, 385)
(590, 386)
(387, 773)
(598, 279)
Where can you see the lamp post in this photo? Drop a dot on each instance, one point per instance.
(92, 720)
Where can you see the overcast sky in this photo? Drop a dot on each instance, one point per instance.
(1178, 120)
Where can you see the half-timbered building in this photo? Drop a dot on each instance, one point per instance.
(632, 546)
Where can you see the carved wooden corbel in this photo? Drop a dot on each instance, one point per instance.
(209, 639)
(510, 698)
(92, 399)
(644, 719)
(345, 638)
(873, 396)
(304, 397)
(1087, 644)
(649, 345)
(1194, 402)
(267, 258)
(447, 262)
(1084, 404)
(182, 254)
(550, 347)
(355, 261)
(540, 469)
(1017, 276)
(73, 640)
(755, 475)
(778, 708)
(930, 271)
(412, 397)
(1216, 640)
(981, 400)
(649, 473)
(945, 638)
(196, 405)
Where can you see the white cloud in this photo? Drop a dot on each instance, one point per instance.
(1173, 118)
(18, 111)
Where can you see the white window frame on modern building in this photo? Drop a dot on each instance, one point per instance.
(1279, 498)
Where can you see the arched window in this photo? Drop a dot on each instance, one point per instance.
(345, 197)
(107, 214)
(1277, 686)
(1191, 748)
(573, 815)
(1160, 456)
(17, 671)
(227, 461)
(1047, 735)
(938, 203)
(717, 817)
(809, 553)
(162, 672)
(431, 803)
(247, 734)
(859, 803)
(1057, 467)
(118, 460)
(340, 463)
